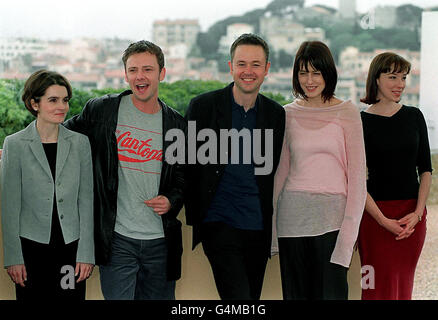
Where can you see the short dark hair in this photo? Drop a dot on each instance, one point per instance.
(318, 56)
(36, 85)
(144, 46)
(251, 39)
(383, 63)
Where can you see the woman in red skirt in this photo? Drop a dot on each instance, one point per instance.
(393, 227)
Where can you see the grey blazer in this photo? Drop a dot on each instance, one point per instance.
(27, 192)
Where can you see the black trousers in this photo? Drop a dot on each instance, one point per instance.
(46, 278)
(306, 270)
(238, 259)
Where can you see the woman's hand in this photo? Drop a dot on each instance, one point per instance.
(392, 226)
(18, 274)
(408, 223)
(84, 271)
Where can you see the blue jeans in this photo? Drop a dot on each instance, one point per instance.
(136, 270)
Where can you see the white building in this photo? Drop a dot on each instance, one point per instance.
(74, 50)
(167, 33)
(282, 33)
(11, 48)
(233, 32)
(353, 62)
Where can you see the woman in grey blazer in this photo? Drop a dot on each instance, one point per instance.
(47, 197)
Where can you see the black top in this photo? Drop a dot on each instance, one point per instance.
(56, 237)
(237, 201)
(397, 152)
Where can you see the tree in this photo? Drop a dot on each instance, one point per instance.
(15, 117)
(13, 114)
(409, 16)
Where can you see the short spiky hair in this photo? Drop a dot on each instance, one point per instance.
(251, 39)
(144, 46)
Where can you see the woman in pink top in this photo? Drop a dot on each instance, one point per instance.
(320, 183)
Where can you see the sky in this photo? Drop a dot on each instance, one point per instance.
(132, 19)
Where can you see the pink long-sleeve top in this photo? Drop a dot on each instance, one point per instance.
(320, 183)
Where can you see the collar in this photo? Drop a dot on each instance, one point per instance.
(235, 105)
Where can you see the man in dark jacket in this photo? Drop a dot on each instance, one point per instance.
(229, 204)
(138, 195)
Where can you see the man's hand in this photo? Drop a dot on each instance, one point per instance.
(159, 204)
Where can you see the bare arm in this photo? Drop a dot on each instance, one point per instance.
(391, 225)
(411, 219)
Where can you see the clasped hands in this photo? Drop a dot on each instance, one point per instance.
(404, 227)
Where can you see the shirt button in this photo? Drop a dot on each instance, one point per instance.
(62, 216)
(61, 200)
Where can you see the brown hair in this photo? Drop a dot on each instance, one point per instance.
(249, 39)
(144, 46)
(383, 63)
(317, 55)
(36, 85)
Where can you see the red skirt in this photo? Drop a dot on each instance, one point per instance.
(393, 261)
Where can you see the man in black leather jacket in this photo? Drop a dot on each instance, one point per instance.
(138, 195)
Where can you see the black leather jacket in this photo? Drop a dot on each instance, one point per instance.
(98, 120)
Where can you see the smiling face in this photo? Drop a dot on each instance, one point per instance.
(143, 75)
(311, 82)
(248, 68)
(390, 86)
(53, 106)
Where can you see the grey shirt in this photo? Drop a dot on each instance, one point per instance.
(139, 144)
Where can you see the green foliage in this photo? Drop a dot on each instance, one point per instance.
(409, 16)
(14, 116)
(278, 97)
(341, 36)
(208, 42)
(80, 98)
(178, 94)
